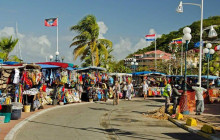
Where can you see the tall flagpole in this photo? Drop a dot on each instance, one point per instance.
(155, 53)
(19, 47)
(57, 34)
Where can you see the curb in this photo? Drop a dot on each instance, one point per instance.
(198, 132)
(15, 129)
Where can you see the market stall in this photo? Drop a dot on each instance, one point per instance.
(91, 79)
(155, 81)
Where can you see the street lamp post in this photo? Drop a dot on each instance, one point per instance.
(51, 57)
(62, 58)
(57, 53)
(186, 38)
(180, 10)
(134, 64)
(208, 53)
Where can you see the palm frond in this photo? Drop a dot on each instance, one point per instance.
(104, 51)
(85, 54)
(105, 42)
(79, 50)
(79, 42)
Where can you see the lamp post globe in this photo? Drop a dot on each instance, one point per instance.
(136, 63)
(186, 30)
(212, 32)
(57, 53)
(187, 36)
(134, 60)
(211, 51)
(51, 57)
(208, 45)
(206, 50)
(132, 63)
(180, 7)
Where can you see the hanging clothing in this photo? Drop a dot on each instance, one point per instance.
(16, 76)
(129, 91)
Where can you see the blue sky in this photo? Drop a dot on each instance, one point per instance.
(124, 22)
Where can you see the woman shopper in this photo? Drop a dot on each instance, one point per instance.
(124, 89)
(105, 90)
(130, 89)
(116, 89)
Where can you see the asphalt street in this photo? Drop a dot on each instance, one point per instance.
(101, 121)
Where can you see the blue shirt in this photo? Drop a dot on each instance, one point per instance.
(111, 80)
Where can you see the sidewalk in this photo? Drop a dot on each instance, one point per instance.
(211, 116)
(6, 127)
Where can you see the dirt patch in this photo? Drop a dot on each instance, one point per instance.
(157, 114)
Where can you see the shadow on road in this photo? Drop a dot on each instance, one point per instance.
(154, 105)
(139, 112)
(183, 136)
(104, 103)
(110, 131)
(161, 100)
(101, 109)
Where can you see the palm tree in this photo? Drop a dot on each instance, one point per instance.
(7, 45)
(87, 41)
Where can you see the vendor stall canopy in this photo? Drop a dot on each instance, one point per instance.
(10, 63)
(45, 66)
(91, 68)
(62, 65)
(120, 74)
(211, 77)
(148, 73)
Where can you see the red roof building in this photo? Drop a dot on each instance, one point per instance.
(148, 58)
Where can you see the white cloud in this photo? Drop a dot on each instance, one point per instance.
(126, 47)
(152, 31)
(10, 31)
(123, 48)
(33, 48)
(102, 29)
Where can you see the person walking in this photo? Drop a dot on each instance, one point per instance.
(199, 98)
(124, 89)
(105, 90)
(116, 90)
(130, 89)
(145, 89)
(167, 94)
(175, 96)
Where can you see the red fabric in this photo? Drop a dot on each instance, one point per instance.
(0, 107)
(44, 88)
(80, 78)
(63, 65)
(63, 89)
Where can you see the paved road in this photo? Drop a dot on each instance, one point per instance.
(101, 121)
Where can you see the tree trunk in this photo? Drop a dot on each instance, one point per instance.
(93, 60)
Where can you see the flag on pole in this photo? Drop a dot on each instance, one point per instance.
(50, 22)
(197, 44)
(150, 37)
(177, 40)
(217, 48)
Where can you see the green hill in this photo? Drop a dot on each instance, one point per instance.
(162, 43)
